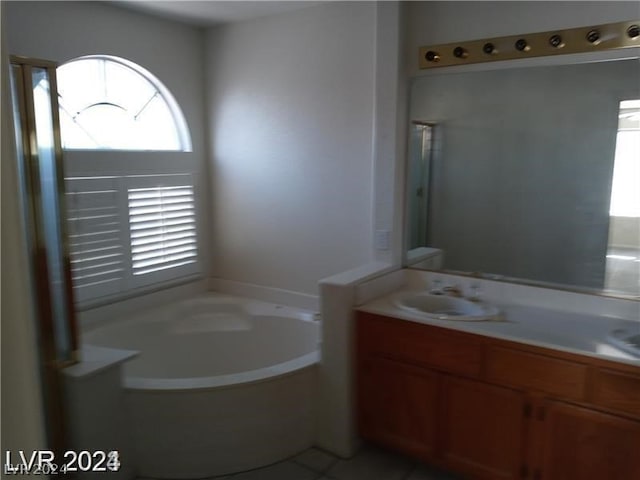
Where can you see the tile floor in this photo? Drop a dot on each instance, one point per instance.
(370, 463)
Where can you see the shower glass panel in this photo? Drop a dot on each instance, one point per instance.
(39, 154)
(49, 200)
(421, 150)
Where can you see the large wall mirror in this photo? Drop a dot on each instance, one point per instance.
(528, 174)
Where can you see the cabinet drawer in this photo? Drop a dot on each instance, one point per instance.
(536, 372)
(421, 344)
(618, 391)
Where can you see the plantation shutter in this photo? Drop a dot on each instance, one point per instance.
(97, 236)
(162, 225)
(130, 232)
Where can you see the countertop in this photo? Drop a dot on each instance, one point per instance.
(96, 359)
(578, 333)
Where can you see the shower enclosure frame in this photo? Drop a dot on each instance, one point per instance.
(40, 167)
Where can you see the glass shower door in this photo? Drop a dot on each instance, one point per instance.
(53, 238)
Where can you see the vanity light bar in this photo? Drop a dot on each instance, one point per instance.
(609, 36)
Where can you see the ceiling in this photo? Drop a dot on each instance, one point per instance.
(213, 12)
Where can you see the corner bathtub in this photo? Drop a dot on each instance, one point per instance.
(221, 384)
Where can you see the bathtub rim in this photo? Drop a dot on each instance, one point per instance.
(252, 307)
(231, 380)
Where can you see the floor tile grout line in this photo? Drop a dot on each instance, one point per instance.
(306, 467)
(333, 460)
(412, 466)
(314, 470)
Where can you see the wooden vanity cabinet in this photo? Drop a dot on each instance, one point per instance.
(494, 409)
(579, 443)
(482, 428)
(400, 410)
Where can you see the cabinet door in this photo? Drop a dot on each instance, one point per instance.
(397, 405)
(483, 429)
(583, 444)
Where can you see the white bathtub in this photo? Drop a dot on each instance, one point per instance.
(221, 384)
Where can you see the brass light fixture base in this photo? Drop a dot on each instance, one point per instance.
(609, 36)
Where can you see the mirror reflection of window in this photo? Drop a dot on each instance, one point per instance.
(623, 261)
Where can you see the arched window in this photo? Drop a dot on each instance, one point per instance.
(111, 103)
(131, 217)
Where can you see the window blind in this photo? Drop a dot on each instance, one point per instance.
(129, 232)
(97, 236)
(163, 228)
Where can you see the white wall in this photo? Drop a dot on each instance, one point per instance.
(291, 106)
(625, 232)
(22, 420)
(390, 123)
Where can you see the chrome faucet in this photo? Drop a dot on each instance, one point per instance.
(449, 290)
(455, 291)
(452, 291)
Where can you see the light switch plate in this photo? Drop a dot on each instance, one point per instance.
(383, 239)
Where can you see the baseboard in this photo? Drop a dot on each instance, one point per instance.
(266, 294)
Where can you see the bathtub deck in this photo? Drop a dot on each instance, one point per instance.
(370, 463)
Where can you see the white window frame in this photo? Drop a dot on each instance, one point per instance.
(163, 92)
(126, 169)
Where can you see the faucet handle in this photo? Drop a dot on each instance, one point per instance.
(475, 293)
(436, 287)
(452, 290)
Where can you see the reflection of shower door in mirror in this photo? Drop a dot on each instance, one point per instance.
(419, 166)
(39, 152)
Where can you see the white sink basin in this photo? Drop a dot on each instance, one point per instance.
(443, 307)
(626, 339)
